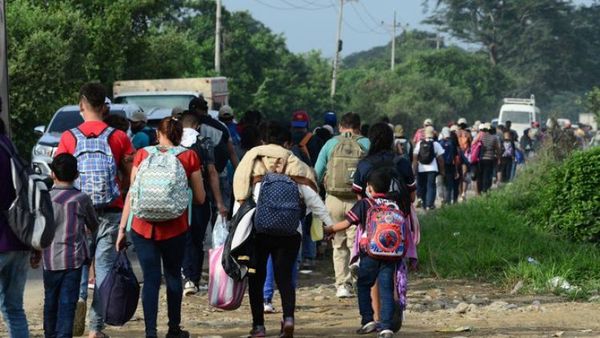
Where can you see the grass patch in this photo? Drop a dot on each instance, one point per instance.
(488, 238)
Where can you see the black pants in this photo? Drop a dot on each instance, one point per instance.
(283, 251)
(194, 244)
(486, 174)
(506, 164)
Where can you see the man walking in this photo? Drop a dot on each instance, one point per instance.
(428, 162)
(89, 139)
(335, 167)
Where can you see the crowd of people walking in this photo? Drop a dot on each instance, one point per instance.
(162, 189)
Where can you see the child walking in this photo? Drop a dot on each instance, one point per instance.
(62, 260)
(385, 240)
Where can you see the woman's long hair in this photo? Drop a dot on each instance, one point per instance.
(381, 137)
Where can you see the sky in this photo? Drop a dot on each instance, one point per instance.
(312, 24)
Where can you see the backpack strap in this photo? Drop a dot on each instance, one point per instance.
(77, 133)
(176, 151)
(303, 144)
(106, 133)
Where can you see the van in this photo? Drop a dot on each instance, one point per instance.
(65, 118)
(521, 112)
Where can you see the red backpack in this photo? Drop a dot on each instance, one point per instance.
(387, 231)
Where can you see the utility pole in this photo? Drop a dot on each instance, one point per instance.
(394, 25)
(4, 114)
(218, 39)
(393, 61)
(338, 49)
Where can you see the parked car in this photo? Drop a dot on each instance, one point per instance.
(65, 118)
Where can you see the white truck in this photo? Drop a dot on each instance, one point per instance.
(521, 113)
(172, 93)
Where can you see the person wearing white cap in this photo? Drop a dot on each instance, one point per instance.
(427, 163)
(420, 133)
(143, 135)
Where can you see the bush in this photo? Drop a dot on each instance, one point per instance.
(568, 202)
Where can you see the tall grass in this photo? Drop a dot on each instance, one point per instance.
(488, 238)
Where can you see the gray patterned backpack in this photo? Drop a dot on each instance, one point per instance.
(160, 191)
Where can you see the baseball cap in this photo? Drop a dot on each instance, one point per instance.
(300, 119)
(462, 120)
(454, 127)
(138, 116)
(445, 132)
(225, 112)
(197, 103)
(427, 122)
(398, 131)
(330, 118)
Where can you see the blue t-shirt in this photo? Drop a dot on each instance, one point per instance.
(142, 139)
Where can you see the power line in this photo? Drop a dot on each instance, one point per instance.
(316, 4)
(364, 22)
(375, 21)
(292, 7)
(350, 26)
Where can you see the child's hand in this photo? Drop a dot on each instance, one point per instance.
(35, 258)
(328, 230)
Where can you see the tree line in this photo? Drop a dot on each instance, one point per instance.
(548, 48)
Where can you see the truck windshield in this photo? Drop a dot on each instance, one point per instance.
(65, 120)
(147, 102)
(520, 117)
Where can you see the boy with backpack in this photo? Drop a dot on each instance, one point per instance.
(74, 216)
(452, 169)
(102, 154)
(427, 163)
(383, 245)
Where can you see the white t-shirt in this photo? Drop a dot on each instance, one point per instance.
(433, 166)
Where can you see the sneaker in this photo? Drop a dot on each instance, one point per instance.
(177, 333)
(203, 288)
(269, 308)
(386, 334)
(343, 292)
(189, 288)
(258, 331)
(79, 321)
(287, 328)
(369, 327)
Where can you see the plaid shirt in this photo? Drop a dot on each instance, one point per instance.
(73, 211)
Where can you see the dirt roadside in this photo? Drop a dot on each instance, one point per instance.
(434, 305)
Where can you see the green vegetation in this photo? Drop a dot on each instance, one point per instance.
(492, 237)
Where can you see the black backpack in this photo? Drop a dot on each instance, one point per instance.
(426, 152)
(30, 216)
(398, 189)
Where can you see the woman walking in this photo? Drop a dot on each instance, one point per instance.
(164, 240)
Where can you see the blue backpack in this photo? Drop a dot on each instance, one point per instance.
(449, 151)
(278, 209)
(97, 167)
(119, 292)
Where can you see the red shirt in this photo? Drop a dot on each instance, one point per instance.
(175, 227)
(119, 143)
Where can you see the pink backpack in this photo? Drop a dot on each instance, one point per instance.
(475, 152)
(223, 291)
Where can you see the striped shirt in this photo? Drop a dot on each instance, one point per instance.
(490, 147)
(73, 211)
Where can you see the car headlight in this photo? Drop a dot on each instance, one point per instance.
(42, 150)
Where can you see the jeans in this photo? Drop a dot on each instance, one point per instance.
(193, 258)
(61, 291)
(105, 254)
(269, 288)
(426, 188)
(150, 253)
(309, 247)
(13, 275)
(486, 174)
(284, 251)
(371, 270)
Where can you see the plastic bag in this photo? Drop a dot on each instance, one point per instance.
(220, 232)
(316, 230)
